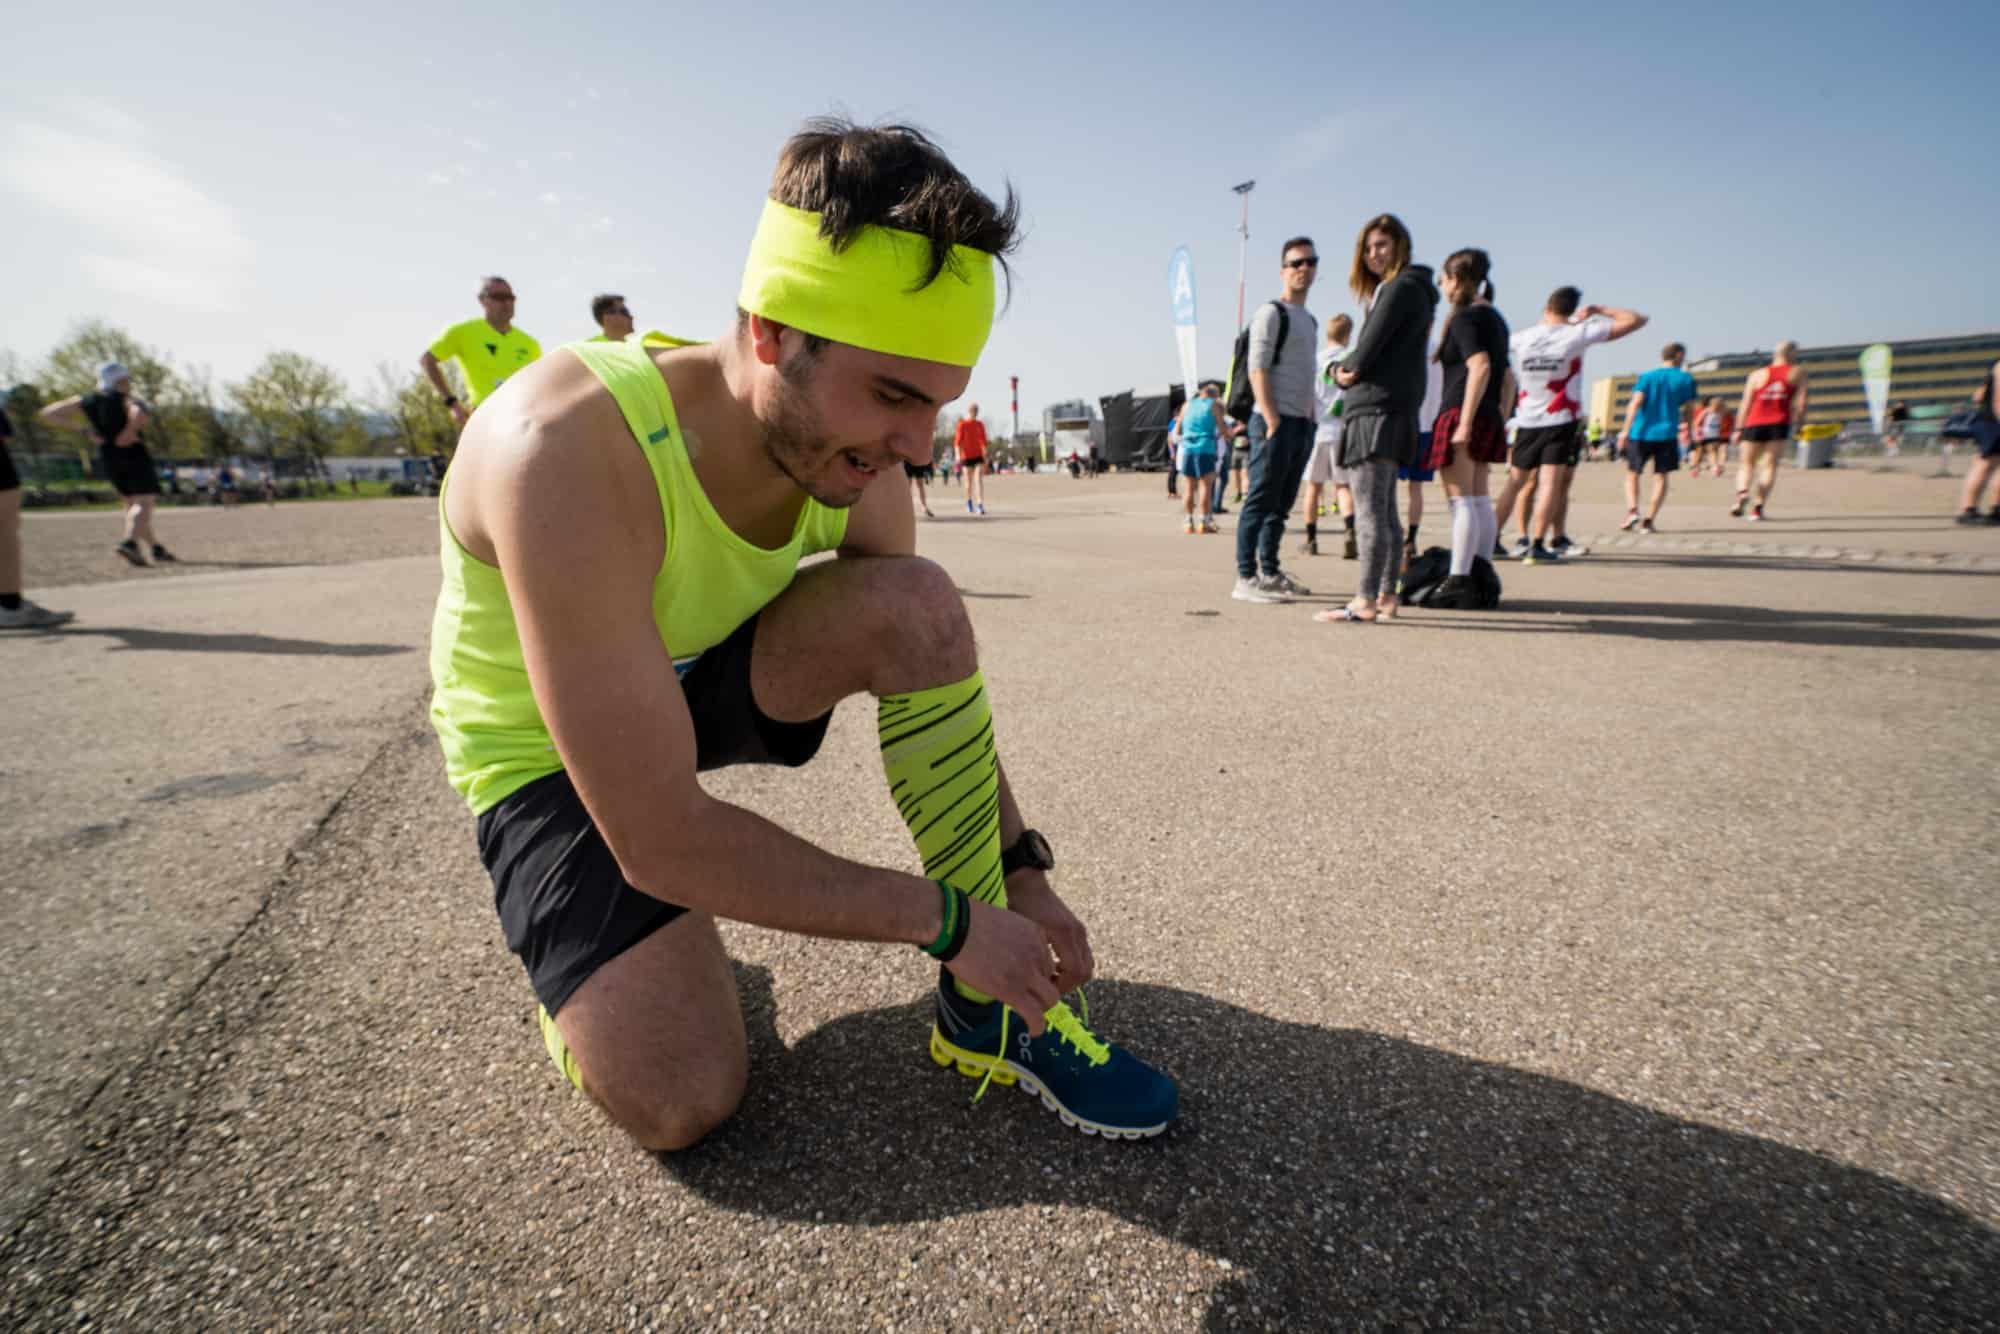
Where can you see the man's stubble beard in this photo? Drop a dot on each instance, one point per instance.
(794, 437)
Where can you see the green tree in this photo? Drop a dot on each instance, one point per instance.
(419, 422)
(208, 433)
(72, 365)
(293, 400)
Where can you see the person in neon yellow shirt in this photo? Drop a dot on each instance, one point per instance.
(489, 350)
(622, 608)
(613, 316)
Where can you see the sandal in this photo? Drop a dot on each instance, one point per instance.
(1347, 613)
(1385, 608)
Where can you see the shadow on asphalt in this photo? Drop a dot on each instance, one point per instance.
(1774, 564)
(999, 597)
(1352, 1180)
(188, 564)
(1731, 624)
(187, 641)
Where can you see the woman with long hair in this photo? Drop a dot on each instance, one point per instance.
(1384, 381)
(1471, 431)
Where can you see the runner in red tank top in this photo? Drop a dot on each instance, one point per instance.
(1774, 401)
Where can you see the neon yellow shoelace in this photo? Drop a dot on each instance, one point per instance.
(1076, 1032)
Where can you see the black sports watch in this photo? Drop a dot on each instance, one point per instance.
(1030, 849)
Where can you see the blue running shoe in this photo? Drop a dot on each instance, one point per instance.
(1096, 1087)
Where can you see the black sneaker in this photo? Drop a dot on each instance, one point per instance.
(1646, 527)
(1351, 551)
(1561, 545)
(1974, 516)
(162, 556)
(1541, 555)
(130, 551)
(1993, 516)
(1500, 551)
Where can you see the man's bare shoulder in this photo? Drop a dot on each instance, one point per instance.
(554, 450)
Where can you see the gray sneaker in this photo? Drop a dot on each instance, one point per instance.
(1285, 584)
(1278, 586)
(28, 616)
(1252, 590)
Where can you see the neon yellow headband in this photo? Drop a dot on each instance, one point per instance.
(867, 294)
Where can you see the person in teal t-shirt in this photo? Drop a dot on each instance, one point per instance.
(1652, 431)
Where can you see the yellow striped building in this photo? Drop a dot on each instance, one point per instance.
(1926, 372)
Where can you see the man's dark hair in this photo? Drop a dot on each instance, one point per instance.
(1673, 352)
(1294, 243)
(600, 304)
(1564, 301)
(856, 176)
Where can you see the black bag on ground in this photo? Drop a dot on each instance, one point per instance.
(1423, 580)
(1241, 400)
(1422, 576)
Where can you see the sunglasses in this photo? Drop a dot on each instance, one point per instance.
(497, 296)
(617, 310)
(1307, 262)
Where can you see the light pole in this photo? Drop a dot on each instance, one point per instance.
(1243, 249)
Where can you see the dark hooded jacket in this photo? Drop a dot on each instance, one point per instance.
(1388, 358)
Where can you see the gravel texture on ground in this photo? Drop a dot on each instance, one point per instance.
(1621, 960)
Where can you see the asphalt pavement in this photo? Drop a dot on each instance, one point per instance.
(1622, 959)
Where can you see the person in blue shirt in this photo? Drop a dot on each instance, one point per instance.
(1653, 421)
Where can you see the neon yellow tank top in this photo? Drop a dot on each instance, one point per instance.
(710, 581)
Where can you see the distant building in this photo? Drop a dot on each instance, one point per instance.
(1925, 372)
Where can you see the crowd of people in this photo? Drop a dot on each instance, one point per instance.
(1432, 385)
(612, 622)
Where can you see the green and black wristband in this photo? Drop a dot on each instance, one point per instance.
(957, 920)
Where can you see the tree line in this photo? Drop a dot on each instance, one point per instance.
(289, 406)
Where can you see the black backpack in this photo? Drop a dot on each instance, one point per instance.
(1425, 576)
(1241, 400)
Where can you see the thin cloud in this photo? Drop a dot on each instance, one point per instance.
(1328, 138)
(551, 197)
(157, 235)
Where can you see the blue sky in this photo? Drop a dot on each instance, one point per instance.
(224, 180)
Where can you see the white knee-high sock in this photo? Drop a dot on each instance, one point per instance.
(1464, 526)
(1488, 526)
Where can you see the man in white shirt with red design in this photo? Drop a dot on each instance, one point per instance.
(1548, 364)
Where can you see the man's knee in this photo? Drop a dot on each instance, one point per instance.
(663, 1122)
(922, 611)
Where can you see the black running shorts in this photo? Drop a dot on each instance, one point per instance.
(9, 479)
(1764, 435)
(1664, 455)
(129, 469)
(1546, 446)
(565, 907)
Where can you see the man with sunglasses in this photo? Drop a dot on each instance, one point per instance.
(613, 316)
(489, 349)
(1283, 339)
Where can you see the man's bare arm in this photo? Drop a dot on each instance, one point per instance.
(1798, 409)
(434, 372)
(1631, 414)
(1751, 384)
(1622, 321)
(563, 520)
(67, 414)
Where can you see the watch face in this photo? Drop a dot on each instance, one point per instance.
(1037, 848)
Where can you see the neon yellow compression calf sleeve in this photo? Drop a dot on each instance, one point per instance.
(944, 776)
